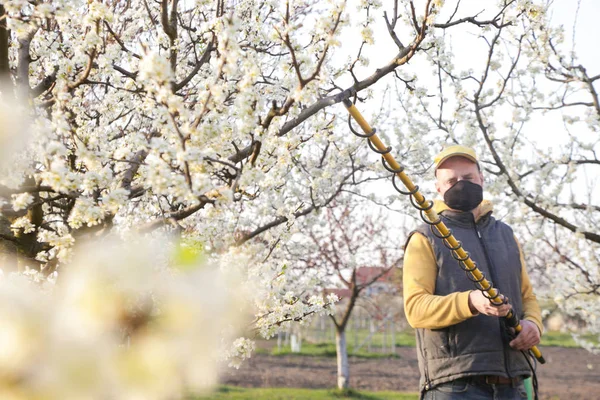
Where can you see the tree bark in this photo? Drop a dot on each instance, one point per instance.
(343, 378)
(4, 67)
(393, 333)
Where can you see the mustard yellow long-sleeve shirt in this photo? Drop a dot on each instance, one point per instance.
(425, 310)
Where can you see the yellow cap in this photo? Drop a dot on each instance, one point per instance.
(454, 151)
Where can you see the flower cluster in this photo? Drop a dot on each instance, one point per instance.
(152, 325)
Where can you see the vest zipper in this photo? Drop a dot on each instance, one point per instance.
(492, 272)
(425, 361)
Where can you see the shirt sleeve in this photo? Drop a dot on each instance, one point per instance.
(531, 308)
(423, 309)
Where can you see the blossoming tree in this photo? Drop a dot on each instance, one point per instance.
(208, 119)
(353, 252)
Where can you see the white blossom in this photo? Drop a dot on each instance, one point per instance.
(21, 201)
(22, 224)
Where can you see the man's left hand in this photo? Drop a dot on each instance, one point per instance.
(528, 337)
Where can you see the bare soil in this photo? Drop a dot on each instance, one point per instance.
(567, 374)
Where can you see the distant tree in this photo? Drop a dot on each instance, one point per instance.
(354, 250)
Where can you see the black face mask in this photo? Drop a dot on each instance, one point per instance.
(464, 196)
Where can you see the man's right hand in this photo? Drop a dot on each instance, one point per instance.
(478, 303)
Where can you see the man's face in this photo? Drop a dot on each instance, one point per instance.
(456, 169)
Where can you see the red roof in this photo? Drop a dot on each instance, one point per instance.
(367, 274)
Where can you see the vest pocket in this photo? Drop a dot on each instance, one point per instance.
(437, 342)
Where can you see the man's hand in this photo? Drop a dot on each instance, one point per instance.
(528, 337)
(478, 303)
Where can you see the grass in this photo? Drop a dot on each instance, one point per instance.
(403, 339)
(231, 392)
(560, 339)
(328, 350)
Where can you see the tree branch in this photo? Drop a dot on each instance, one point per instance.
(402, 58)
(280, 220)
(203, 60)
(175, 216)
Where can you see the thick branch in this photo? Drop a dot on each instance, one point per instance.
(242, 154)
(24, 61)
(10, 238)
(341, 325)
(86, 72)
(4, 44)
(45, 84)
(203, 60)
(169, 24)
(137, 160)
(169, 218)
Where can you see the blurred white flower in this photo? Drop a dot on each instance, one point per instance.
(14, 129)
(155, 67)
(124, 320)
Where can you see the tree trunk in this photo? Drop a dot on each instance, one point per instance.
(333, 328)
(384, 339)
(393, 326)
(371, 331)
(4, 67)
(343, 379)
(356, 326)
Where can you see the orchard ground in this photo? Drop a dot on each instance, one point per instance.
(569, 373)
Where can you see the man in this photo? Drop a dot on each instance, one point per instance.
(463, 348)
